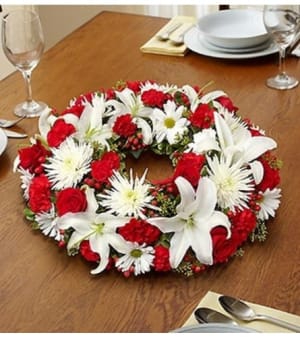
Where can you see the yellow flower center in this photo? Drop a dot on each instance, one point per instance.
(169, 123)
(136, 253)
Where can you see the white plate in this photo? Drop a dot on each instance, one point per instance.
(211, 46)
(194, 43)
(234, 28)
(3, 141)
(214, 328)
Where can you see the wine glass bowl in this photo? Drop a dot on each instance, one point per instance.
(23, 45)
(282, 24)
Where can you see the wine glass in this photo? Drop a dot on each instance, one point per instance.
(23, 45)
(281, 23)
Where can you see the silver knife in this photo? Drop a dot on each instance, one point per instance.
(14, 134)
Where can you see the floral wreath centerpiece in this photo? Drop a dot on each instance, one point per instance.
(77, 189)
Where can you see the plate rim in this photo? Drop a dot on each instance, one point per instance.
(3, 141)
(202, 50)
(212, 326)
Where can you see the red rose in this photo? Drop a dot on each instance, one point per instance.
(161, 259)
(202, 117)
(189, 166)
(271, 177)
(103, 169)
(39, 194)
(227, 103)
(154, 98)
(32, 157)
(71, 200)
(222, 248)
(59, 132)
(87, 253)
(139, 231)
(124, 126)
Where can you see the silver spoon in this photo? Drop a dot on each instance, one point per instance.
(164, 36)
(243, 312)
(179, 40)
(207, 315)
(4, 123)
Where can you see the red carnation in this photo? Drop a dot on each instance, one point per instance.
(243, 223)
(222, 248)
(87, 253)
(39, 194)
(32, 157)
(135, 86)
(59, 132)
(227, 103)
(189, 166)
(124, 126)
(161, 260)
(139, 231)
(202, 117)
(154, 98)
(102, 169)
(271, 177)
(71, 200)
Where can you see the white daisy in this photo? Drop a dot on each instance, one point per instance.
(233, 182)
(137, 256)
(48, 224)
(26, 178)
(169, 123)
(269, 203)
(69, 163)
(127, 197)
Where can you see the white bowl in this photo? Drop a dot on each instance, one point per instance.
(234, 28)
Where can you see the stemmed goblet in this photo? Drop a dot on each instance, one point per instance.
(281, 23)
(23, 45)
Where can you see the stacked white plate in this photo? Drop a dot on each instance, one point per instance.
(234, 33)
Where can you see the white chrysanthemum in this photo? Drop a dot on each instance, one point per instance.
(48, 224)
(26, 178)
(269, 203)
(169, 123)
(159, 87)
(204, 141)
(127, 197)
(138, 256)
(68, 164)
(233, 182)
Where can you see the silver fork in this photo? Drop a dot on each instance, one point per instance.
(4, 123)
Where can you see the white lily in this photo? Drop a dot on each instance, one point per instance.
(204, 141)
(195, 218)
(236, 141)
(132, 104)
(90, 125)
(99, 229)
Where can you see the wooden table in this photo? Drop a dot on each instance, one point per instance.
(42, 289)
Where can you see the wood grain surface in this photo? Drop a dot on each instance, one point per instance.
(44, 290)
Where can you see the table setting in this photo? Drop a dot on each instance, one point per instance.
(163, 189)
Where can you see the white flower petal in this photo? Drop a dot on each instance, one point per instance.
(256, 146)
(257, 170)
(178, 247)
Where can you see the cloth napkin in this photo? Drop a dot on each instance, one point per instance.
(154, 46)
(210, 300)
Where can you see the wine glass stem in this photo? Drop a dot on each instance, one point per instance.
(282, 72)
(27, 78)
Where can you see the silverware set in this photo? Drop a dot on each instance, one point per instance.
(5, 124)
(166, 34)
(238, 310)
